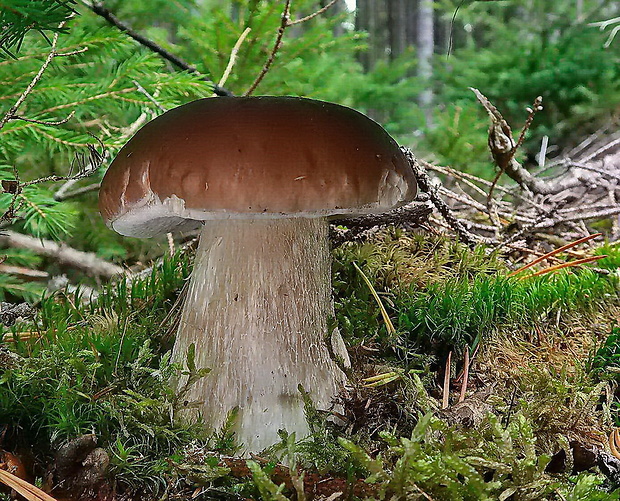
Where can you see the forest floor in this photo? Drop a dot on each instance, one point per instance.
(85, 407)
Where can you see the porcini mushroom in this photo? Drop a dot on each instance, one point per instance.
(262, 175)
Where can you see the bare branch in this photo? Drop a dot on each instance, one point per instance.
(603, 26)
(59, 197)
(536, 107)
(44, 122)
(313, 15)
(426, 186)
(149, 96)
(10, 114)
(284, 23)
(413, 214)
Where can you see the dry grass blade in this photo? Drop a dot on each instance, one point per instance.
(614, 443)
(554, 252)
(29, 491)
(386, 318)
(570, 264)
(380, 379)
(20, 336)
(446, 382)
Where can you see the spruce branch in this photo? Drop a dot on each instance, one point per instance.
(18, 17)
(99, 9)
(10, 114)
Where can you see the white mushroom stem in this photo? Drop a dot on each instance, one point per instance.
(257, 310)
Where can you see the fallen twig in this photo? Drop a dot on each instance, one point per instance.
(85, 261)
(426, 186)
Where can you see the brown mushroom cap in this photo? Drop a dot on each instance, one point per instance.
(250, 157)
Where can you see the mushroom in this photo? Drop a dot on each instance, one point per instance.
(262, 176)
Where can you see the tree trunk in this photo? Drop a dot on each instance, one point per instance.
(397, 27)
(371, 16)
(426, 46)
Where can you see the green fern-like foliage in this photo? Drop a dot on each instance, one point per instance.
(97, 90)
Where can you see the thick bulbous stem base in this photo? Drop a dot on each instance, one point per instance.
(257, 312)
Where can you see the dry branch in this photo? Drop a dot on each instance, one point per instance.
(413, 214)
(580, 187)
(63, 254)
(284, 23)
(425, 184)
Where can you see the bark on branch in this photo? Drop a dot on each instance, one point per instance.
(85, 261)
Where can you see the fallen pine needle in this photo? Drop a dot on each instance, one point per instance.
(446, 382)
(569, 264)
(381, 379)
(553, 253)
(614, 443)
(465, 375)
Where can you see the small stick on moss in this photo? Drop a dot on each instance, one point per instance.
(465, 375)
(446, 382)
(510, 406)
